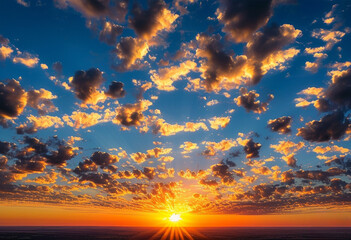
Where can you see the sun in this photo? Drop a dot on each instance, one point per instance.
(175, 218)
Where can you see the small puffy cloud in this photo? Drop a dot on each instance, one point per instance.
(26, 59)
(44, 66)
(247, 99)
(147, 23)
(217, 122)
(23, 3)
(110, 32)
(188, 147)
(103, 159)
(36, 123)
(222, 171)
(212, 102)
(287, 147)
(85, 85)
(13, 99)
(333, 148)
(5, 52)
(132, 114)
(166, 129)
(130, 51)
(331, 37)
(280, 125)
(290, 160)
(41, 101)
(80, 119)
(165, 77)
(331, 126)
(212, 148)
(251, 149)
(115, 90)
(243, 17)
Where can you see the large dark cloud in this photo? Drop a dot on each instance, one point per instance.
(331, 127)
(86, 166)
(219, 62)
(263, 44)
(144, 21)
(248, 100)
(339, 91)
(115, 90)
(252, 149)
(103, 159)
(61, 155)
(13, 99)
(223, 172)
(281, 125)
(242, 18)
(85, 83)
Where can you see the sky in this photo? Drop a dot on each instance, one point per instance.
(230, 113)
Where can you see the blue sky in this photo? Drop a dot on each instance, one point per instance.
(183, 64)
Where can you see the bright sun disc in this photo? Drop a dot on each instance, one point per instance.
(174, 217)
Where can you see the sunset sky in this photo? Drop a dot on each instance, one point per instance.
(228, 112)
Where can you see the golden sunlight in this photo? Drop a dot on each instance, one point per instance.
(175, 218)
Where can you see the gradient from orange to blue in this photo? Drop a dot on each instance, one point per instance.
(122, 113)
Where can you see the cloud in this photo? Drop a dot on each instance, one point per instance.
(287, 147)
(115, 10)
(290, 160)
(165, 77)
(330, 36)
(334, 148)
(265, 49)
(280, 125)
(103, 159)
(85, 85)
(220, 70)
(83, 120)
(132, 114)
(339, 91)
(331, 126)
(147, 23)
(110, 32)
(130, 51)
(61, 155)
(41, 122)
(26, 59)
(217, 122)
(212, 102)
(160, 126)
(5, 52)
(252, 149)
(212, 148)
(23, 3)
(13, 99)
(249, 102)
(115, 90)
(188, 147)
(41, 101)
(222, 171)
(243, 17)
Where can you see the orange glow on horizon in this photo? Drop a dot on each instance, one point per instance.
(67, 216)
